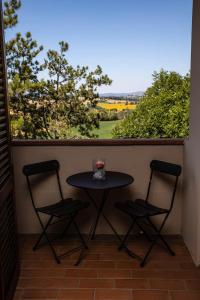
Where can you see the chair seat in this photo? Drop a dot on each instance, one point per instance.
(67, 207)
(140, 208)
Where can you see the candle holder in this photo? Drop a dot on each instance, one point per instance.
(99, 169)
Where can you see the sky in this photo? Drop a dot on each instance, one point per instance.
(129, 39)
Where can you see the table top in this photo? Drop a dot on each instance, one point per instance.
(113, 180)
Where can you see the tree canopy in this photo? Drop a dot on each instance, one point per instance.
(163, 111)
(72, 92)
(50, 107)
(10, 13)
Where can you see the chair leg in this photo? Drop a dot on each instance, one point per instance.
(44, 228)
(158, 235)
(144, 231)
(167, 245)
(148, 252)
(66, 228)
(100, 210)
(161, 237)
(42, 234)
(126, 236)
(52, 249)
(80, 235)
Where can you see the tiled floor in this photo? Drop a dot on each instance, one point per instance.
(107, 274)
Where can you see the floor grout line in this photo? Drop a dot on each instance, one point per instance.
(94, 294)
(170, 295)
(127, 273)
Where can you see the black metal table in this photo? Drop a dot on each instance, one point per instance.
(112, 181)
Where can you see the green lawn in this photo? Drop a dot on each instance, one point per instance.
(105, 130)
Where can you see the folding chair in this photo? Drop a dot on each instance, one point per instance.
(142, 210)
(63, 210)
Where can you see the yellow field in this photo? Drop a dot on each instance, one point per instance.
(118, 106)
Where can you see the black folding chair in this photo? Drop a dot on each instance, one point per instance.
(63, 210)
(142, 210)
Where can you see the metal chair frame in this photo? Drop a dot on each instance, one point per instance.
(52, 166)
(169, 169)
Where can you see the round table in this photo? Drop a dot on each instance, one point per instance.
(112, 181)
(86, 182)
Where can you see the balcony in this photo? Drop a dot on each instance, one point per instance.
(105, 273)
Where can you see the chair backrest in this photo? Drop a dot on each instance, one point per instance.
(166, 168)
(50, 166)
(41, 167)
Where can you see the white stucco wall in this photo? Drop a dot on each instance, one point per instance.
(191, 185)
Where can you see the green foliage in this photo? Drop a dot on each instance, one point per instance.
(107, 115)
(72, 92)
(51, 108)
(112, 114)
(48, 109)
(26, 111)
(10, 15)
(162, 112)
(21, 55)
(24, 87)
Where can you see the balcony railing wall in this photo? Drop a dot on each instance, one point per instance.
(130, 159)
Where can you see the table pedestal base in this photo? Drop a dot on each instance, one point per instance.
(92, 231)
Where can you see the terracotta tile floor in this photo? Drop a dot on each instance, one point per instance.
(107, 274)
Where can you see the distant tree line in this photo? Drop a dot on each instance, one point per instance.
(125, 98)
(112, 114)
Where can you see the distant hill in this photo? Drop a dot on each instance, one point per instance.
(133, 94)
